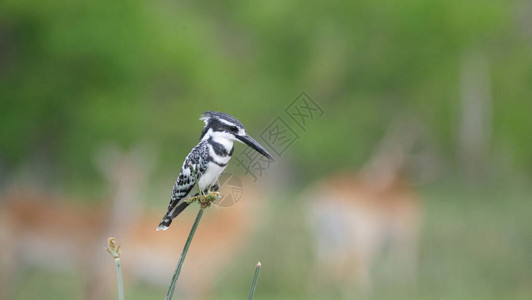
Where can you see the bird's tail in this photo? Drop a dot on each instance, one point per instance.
(170, 215)
(166, 221)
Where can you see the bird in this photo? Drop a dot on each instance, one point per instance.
(207, 160)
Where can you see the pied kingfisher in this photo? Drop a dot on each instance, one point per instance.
(208, 160)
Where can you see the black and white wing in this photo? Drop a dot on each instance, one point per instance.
(186, 182)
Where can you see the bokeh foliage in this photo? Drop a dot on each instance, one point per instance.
(74, 74)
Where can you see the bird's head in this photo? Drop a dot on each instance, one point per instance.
(221, 126)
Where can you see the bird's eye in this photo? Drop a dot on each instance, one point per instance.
(233, 129)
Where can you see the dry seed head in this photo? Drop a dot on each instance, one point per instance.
(113, 247)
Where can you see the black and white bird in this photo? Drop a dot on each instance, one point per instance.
(208, 160)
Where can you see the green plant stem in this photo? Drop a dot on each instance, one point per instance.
(171, 288)
(114, 249)
(254, 282)
(119, 279)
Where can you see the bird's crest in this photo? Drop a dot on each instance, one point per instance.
(221, 117)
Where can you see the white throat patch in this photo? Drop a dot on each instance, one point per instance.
(224, 139)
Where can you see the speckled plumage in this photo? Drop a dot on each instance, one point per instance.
(198, 159)
(208, 160)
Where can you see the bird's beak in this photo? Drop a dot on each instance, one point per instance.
(246, 139)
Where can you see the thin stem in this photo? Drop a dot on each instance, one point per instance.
(205, 202)
(254, 282)
(114, 249)
(119, 279)
(171, 288)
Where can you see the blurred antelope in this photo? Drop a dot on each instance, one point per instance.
(37, 228)
(355, 216)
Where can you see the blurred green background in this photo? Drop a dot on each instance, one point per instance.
(78, 74)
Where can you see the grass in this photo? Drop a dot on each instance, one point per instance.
(475, 245)
(254, 281)
(171, 288)
(114, 249)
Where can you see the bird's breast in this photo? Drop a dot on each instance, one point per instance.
(211, 175)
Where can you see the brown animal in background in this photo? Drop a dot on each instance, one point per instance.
(355, 216)
(40, 229)
(53, 232)
(56, 233)
(354, 219)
